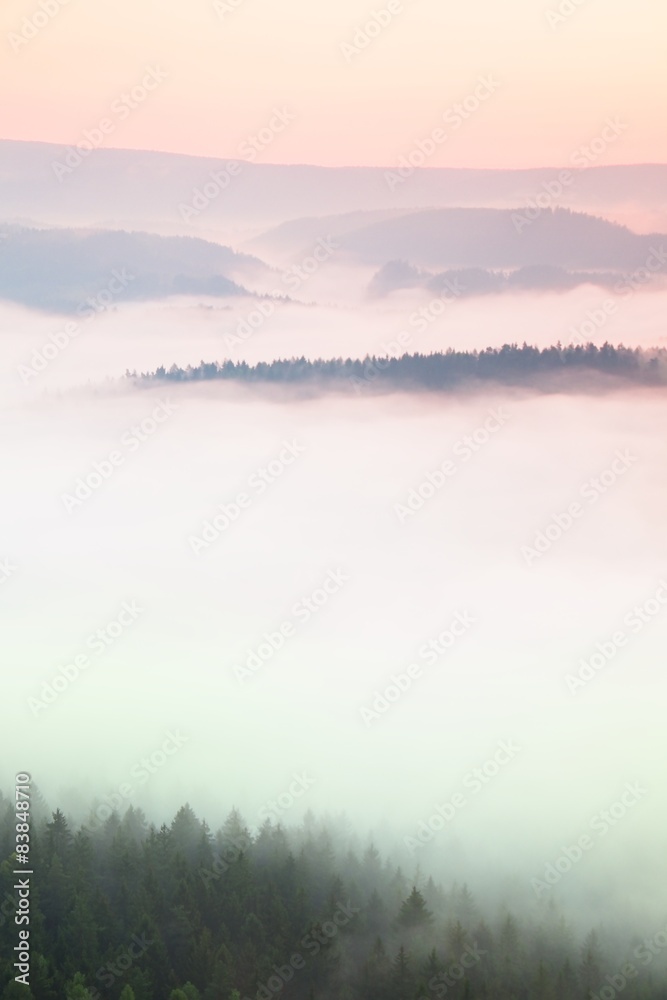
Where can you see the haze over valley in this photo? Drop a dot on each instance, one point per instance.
(333, 571)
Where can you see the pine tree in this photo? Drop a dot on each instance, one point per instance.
(401, 976)
(590, 971)
(76, 988)
(17, 991)
(414, 912)
(58, 837)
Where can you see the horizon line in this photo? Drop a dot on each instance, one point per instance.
(324, 166)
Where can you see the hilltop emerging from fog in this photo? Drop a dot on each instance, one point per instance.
(510, 365)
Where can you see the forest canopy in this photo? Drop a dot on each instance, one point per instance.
(124, 910)
(509, 364)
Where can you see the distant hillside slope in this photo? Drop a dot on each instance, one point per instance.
(467, 282)
(112, 188)
(494, 238)
(61, 268)
(469, 237)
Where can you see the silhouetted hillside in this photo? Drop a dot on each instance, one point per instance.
(510, 364)
(61, 268)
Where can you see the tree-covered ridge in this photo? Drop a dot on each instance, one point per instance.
(509, 364)
(125, 911)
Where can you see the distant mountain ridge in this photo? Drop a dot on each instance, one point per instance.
(480, 251)
(483, 238)
(61, 269)
(129, 188)
(498, 238)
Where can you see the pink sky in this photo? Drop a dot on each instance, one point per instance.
(558, 77)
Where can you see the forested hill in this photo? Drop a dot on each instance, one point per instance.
(121, 909)
(510, 365)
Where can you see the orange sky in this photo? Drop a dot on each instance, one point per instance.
(352, 99)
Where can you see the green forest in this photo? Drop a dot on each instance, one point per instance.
(509, 365)
(121, 909)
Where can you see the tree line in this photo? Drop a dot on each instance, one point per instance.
(509, 364)
(124, 910)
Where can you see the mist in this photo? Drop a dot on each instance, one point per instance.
(333, 571)
(428, 622)
(261, 579)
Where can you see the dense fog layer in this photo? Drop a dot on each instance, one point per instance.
(349, 605)
(441, 617)
(330, 316)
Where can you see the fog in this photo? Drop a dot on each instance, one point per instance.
(326, 548)
(331, 315)
(437, 620)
